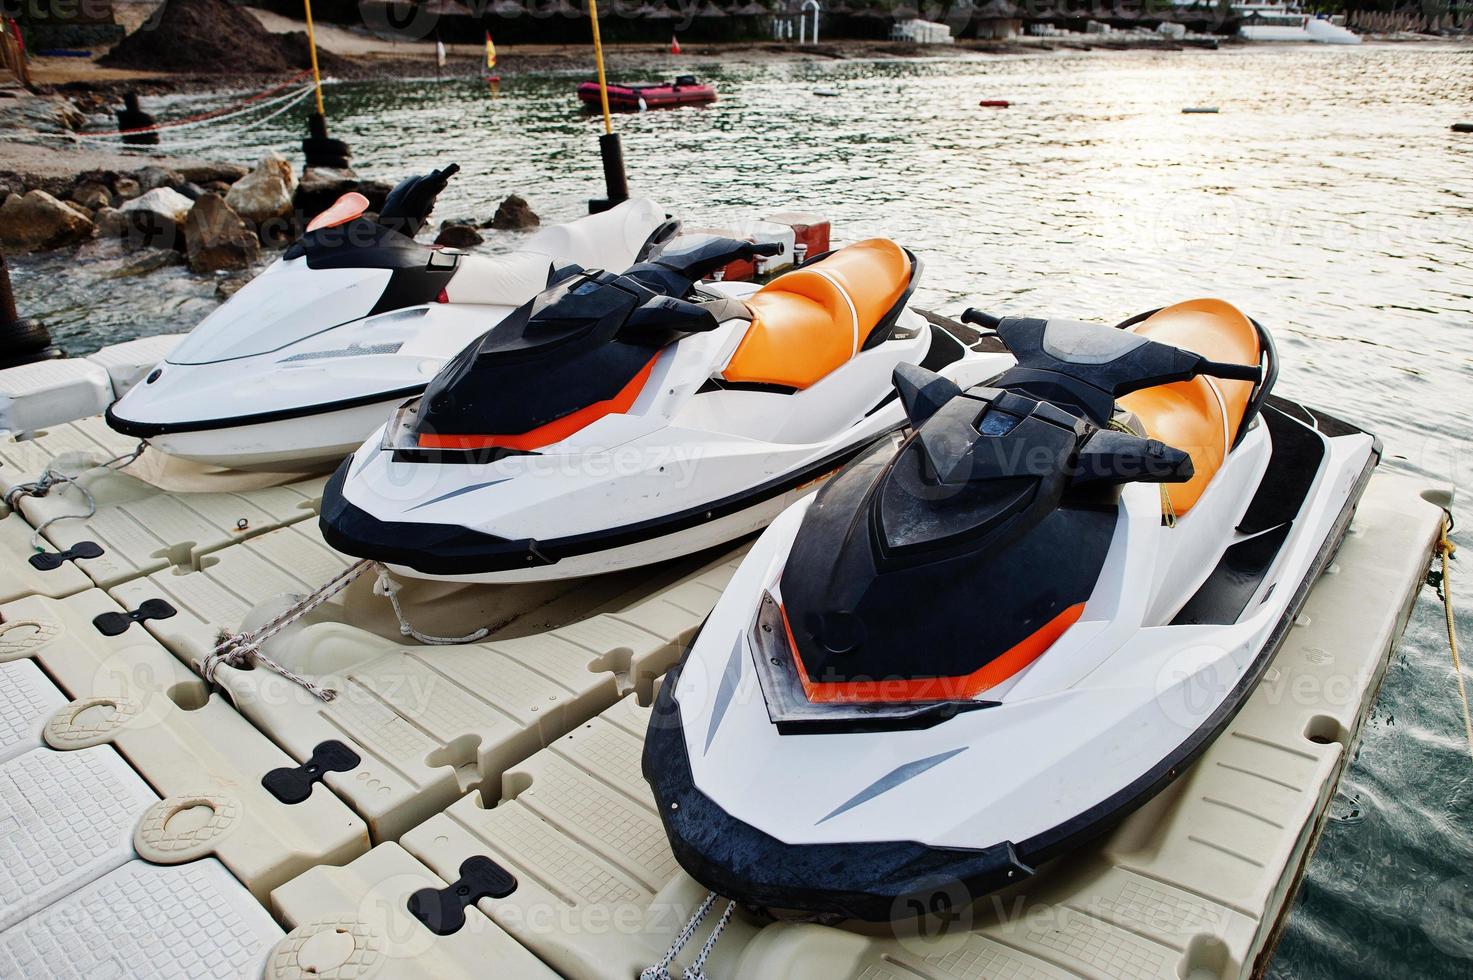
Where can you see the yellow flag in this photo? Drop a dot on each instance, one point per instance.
(490, 52)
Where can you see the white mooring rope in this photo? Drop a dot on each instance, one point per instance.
(697, 971)
(51, 479)
(240, 649)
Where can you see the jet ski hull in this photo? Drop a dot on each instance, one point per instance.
(311, 438)
(763, 844)
(454, 553)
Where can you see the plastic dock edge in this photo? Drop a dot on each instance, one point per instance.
(145, 921)
(139, 526)
(66, 819)
(354, 921)
(209, 764)
(27, 699)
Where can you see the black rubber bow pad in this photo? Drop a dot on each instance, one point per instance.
(117, 623)
(442, 910)
(295, 785)
(47, 561)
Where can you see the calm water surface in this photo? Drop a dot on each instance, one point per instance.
(1328, 199)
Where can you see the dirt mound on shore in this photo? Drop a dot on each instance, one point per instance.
(217, 37)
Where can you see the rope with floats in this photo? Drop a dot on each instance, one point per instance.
(279, 105)
(1445, 549)
(231, 135)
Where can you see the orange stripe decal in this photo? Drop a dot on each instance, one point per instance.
(995, 672)
(555, 431)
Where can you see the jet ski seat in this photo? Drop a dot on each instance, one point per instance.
(1201, 416)
(609, 240)
(814, 319)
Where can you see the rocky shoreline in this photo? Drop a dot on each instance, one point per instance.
(220, 219)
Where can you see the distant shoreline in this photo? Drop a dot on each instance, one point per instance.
(94, 87)
(374, 58)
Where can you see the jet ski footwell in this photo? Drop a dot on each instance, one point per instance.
(532, 718)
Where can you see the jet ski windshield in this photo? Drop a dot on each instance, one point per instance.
(581, 350)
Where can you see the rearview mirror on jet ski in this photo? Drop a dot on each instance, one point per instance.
(409, 204)
(658, 239)
(664, 315)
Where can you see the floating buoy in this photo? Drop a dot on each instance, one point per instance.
(1193, 110)
(994, 103)
(674, 44)
(1463, 127)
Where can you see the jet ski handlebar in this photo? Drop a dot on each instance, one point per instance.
(1231, 372)
(1086, 366)
(980, 318)
(409, 204)
(665, 316)
(676, 267)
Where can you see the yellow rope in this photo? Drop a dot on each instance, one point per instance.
(1168, 510)
(598, 55)
(312, 47)
(1445, 548)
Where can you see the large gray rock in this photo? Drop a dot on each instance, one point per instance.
(209, 173)
(143, 262)
(157, 218)
(111, 223)
(230, 285)
(458, 234)
(216, 238)
(92, 194)
(35, 221)
(265, 194)
(152, 178)
(513, 214)
(320, 187)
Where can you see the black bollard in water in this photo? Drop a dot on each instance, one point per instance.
(321, 151)
(133, 117)
(21, 341)
(616, 182)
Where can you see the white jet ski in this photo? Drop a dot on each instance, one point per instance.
(295, 369)
(963, 659)
(621, 420)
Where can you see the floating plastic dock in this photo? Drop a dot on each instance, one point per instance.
(158, 825)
